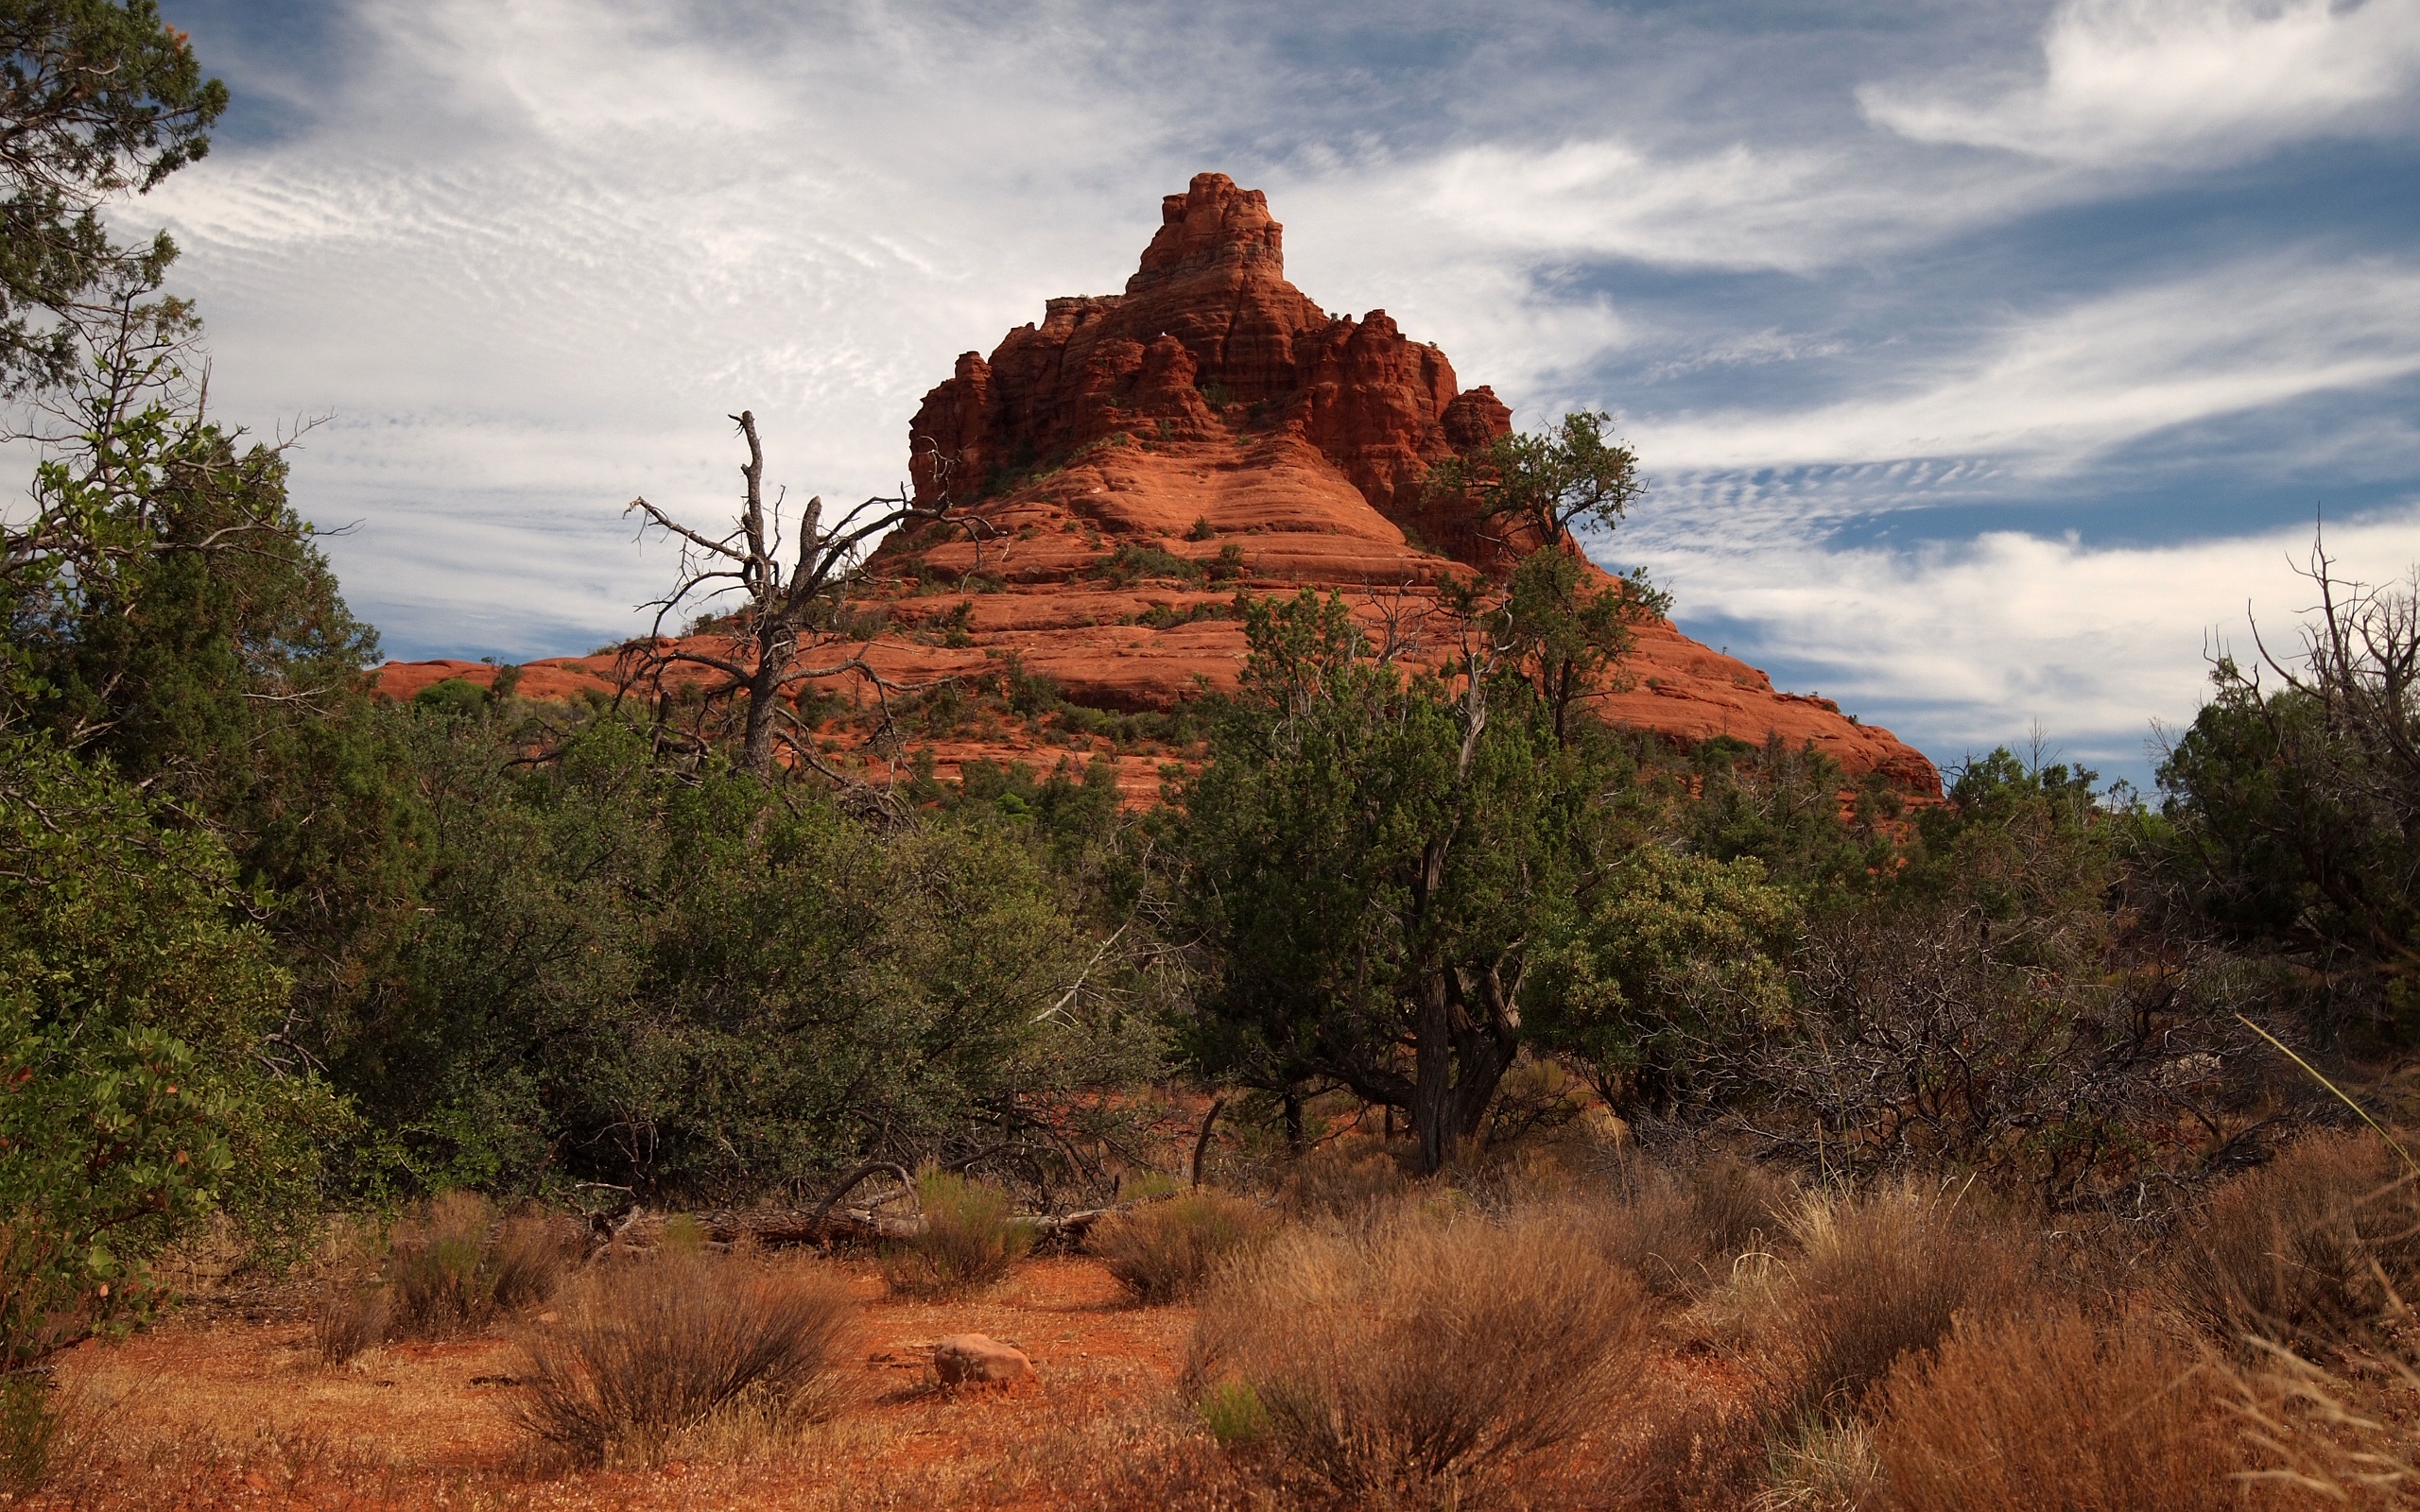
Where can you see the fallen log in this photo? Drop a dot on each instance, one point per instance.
(781, 1226)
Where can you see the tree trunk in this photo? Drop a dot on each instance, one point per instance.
(1432, 1114)
(1293, 1122)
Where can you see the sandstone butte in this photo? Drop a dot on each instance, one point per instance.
(1138, 458)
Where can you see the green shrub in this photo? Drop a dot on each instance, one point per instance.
(968, 1240)
(1233, 1413)
(1167, 1249)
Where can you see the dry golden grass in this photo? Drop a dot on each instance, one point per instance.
(686, 1343)
(1420, 1357)
(1168, 1249)
(2046, 1411)
(1345, 1182)
(2304, 1248)
(1682, 1235)
(1875, 1277)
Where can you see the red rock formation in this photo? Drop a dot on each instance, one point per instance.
(1138, 458)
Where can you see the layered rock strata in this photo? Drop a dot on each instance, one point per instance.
(1135, 460)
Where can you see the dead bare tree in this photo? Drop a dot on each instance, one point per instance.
(788, 629)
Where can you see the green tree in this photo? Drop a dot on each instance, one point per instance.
(1569, 626)
(167, 610)
(139, 1013)
(1372, 857)
(2292, 808)
(1677, 967)
(679, 978)
(98, 99)
(1537, 487)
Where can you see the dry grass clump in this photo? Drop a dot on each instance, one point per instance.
(2045, 1412)
(685, 1341)
(1682, 1234)
(1343, 1181)
(1167, 1249)
(2304, 1248)
(450, 1268)
(1877, 1276)
(968, 1240)
(1422, 1357)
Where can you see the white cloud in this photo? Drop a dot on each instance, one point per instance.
(1965, 647)
(2051, 391)
(2179, 81)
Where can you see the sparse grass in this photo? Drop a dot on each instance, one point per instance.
(2044, 1411)
(1168, 1249)
(2306, 1248)
(30, 1420)
(967, 1242)
(685, 1341)
(1423, 1357)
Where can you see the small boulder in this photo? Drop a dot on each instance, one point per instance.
(975, 1359)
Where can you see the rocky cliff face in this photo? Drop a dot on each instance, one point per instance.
(1209, 344)
(1137, 459)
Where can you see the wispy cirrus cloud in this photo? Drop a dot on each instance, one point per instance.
(1833, 265)
(2177, 82)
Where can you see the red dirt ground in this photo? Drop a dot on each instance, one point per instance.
(207, 1413)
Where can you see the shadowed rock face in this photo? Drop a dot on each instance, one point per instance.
(1137, 459)
(1209, 344)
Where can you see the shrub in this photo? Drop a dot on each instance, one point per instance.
(529, 1256)
(2297, 1250)
(968, 1241)
(29, 1426)
(1169, 1248)
(2044, 1412)
(350, 1317)
(682, 1340)
(449, 1269)
(1341, 1182)
(1878, 1276)
(1682, 1235)
(435, 1285)
(1421, 1355)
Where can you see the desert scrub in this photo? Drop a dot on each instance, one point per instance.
(450, 1268)
(1877, 1276)
(1164, 1251)
(969, 1239)
(1420, 1356)
(31, 1421)
(1341, 1182)
(2047, 1411)
(2311, 1246)
(1682, 1235)
(683, 1341)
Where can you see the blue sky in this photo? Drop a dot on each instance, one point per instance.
(1989, 359)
